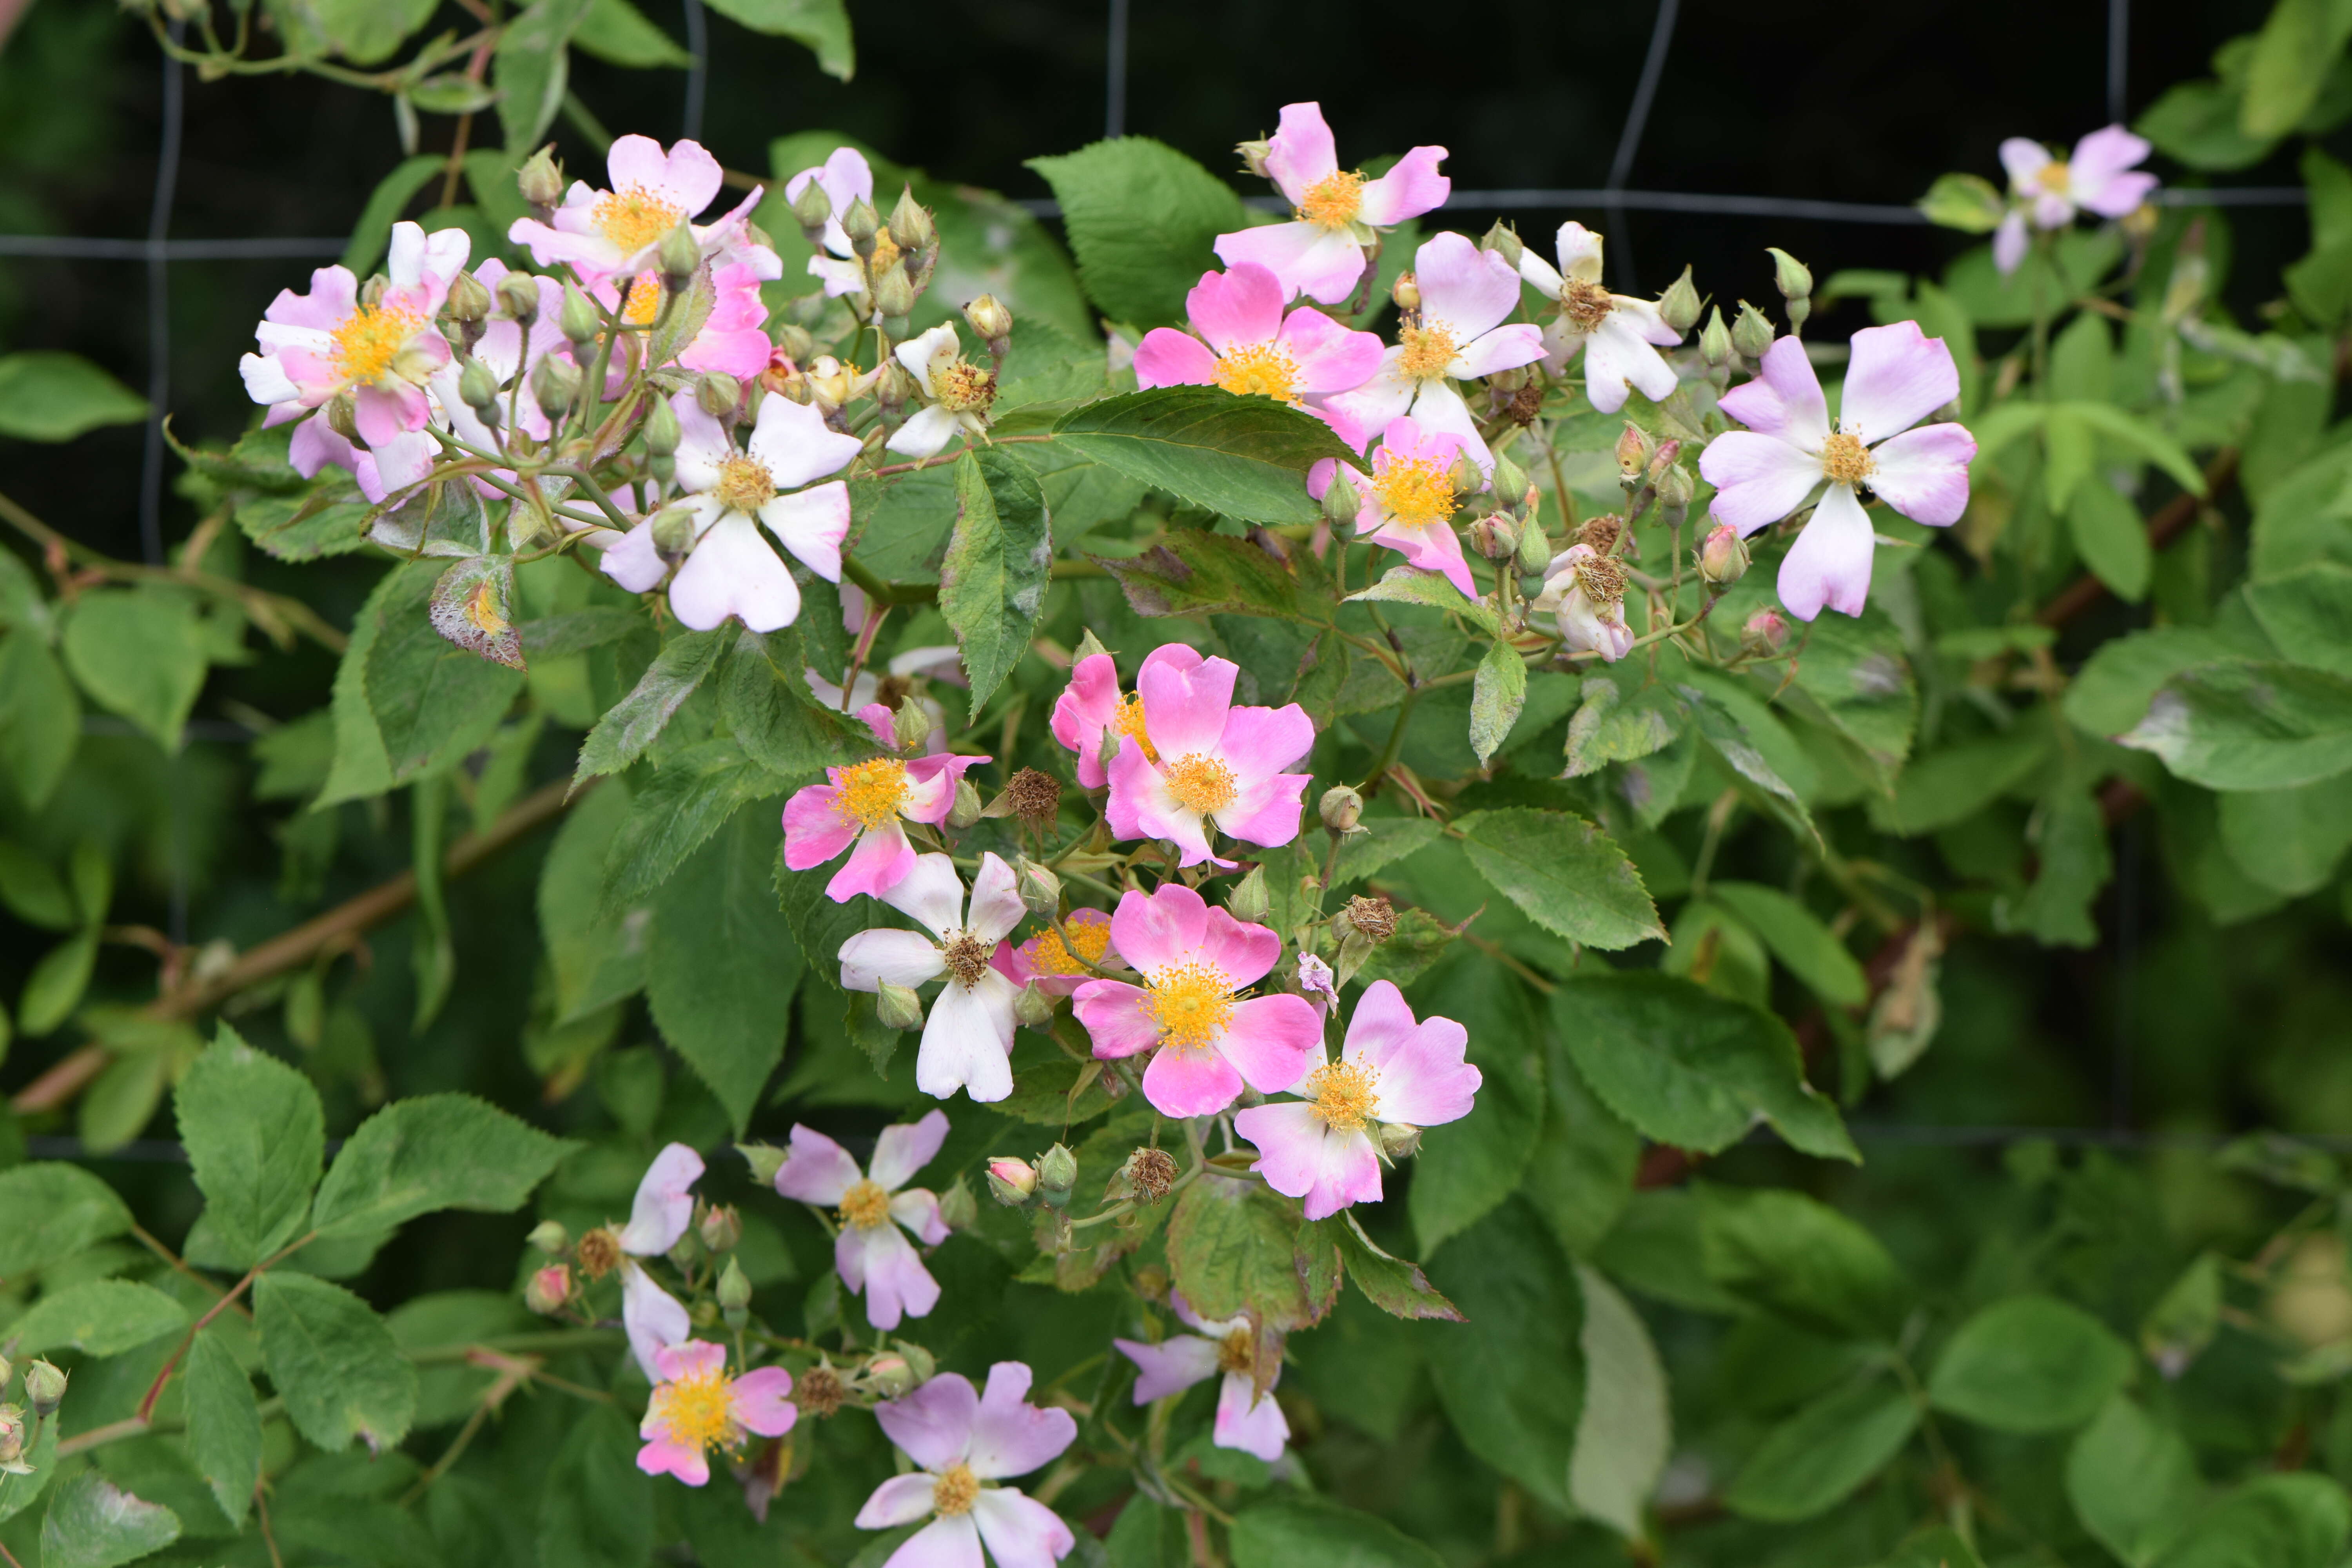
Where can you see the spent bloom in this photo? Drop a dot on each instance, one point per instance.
(1195, 960)
(872, 1253)
(730, 495)
(1055, 965)
(845, 178)
(1620, 336)
(862, 805)
(960, 393)
(616, 232)
(1246, 344)
(696, 1407)
(1335, 213)
(1895, 377)
(1391, 1072)
(1247, 1419)
(968, 1032)
(1409, 500)
(2100, 177)
(1201, 760)
(962, 1439)
(1585, 590)
(1457, 333)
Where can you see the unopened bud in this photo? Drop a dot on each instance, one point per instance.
(548, 1289)
(734, 1291)
(479, 385)
(1676, 489)
(685, 1251)
(1254, 155)
(519, 297)
(1012, 1182)
(342, 418)
(1249, 902)
(1678, 306)
(1669, 452)
(1751, 334)
(894, 291)
(1766, 634)
(1032, 1007)
(1635, 447)
(680, 256)
(554, 384)
(45, 1386)
(1041, 891)
(468, 301)
(1723, 556)
(1341, 501)
(372, 291)
(890, 1375)
(1535, 545)
(1715, 342)
(541, 178)
(661, 429)
(1790, 276)
(966, 809)
(1494, 536)
(1341, 808)
(1399, 1139)
(1057, 1173)
(1465, 476)
(8, 1372)
(862, 224)
(722, 1227)
(990, 320)
(12, 1442)
(796, 342)
(673, 534)
(810, 210)
(911, 224)
(896, 386)
(1148, 1175)
(549, 1235)
(765, 1160)
(1504, 241)
(1511, 483)
(898, 1006)
(959, 1210)
(717, 395)
(910, 723)
(1406, 291)
(579, 318)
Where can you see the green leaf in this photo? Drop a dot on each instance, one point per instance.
(1232, 1247)
(1141, 218)
(1384, 841)
(2112, 540)
(2030, 1363)
(55, 987)
(1396, 1287)
(1625, 1433)
(93, 1523)
(304, 527)
(2197, 124)
(1951, 786)
(994, 577)
(1496, 694)
(1688, 1067)
(367, 31)
(636, 721)
(2291, 55)
(139, 652)
(451, 92)
(2274, 1521)
(1191, 573)
(763, 695)
(257, 1137)
(98, 1318)
(1411, 585)
(597, 1509)
(531, 68)
(1796, 936)
(2068, 834)
(432, 703)
(1611, 727)
(618, 33)
(390, 198)
(1467, 1168)
(40, 716)
(1970, 203)
(691, 799)
(434, 1152)
(598, 957)
(823, 26)
(1563, 873)
(1823, 1455)
(1804, 1260)
(1299, 1531)
(2112, 692)
(2133, 1482)
(1243, 457)
(331, 1359)
(50, 1211)
(1734, 741)
(2307, 613)
(1513, 1377)
(2249, 724)
(45, 395)
(2129, 429)
(721, 963)
(1581, 1177)
(223, 1424)
(19, 1492)
(2289, 839)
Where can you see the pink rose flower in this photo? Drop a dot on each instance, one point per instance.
(863, 804)
(1390, 1072)
(2098, 178)
(845, 178)
(1895, 377)
(1202, 760)
(731, 339)
(1247, 345)
(1409, 499)
(1047, 960)
(696, 1407)
(1246, 1420)
(1090, 704)
(961, 1438)
(659, 1215)
(731, 571)
(618, 231)
(968, 1032)
(1195, 960)
(1320, 253)
(1586, 594)
(1620, 336)
(872, 1254)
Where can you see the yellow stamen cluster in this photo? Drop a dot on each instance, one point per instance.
(962, 387)
(1845, 459)
(1585, 305)
(696, 1412)
(1200, 783)
(633, 218)
(866, 1206)
(644, 303)
(1235, 1353)
(1427, 351)
(1128, 724)
(370, 338)
(1092, 940)
(871, 792)
(1415, 492)
(1344, 1095)
(955, 1491)
(744, 484)
(1267, 369)
(2055, 177)
(1190, 1005)
(1333, 201)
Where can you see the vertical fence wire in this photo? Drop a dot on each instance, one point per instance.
(159, 397)
(697, 75)
(2118, 58)
(1115, 71)
(1629, 139)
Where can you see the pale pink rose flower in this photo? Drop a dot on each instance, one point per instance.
(1047, 961)
(968, 1032)
(505, 352)
(1320, 252)
(1392, 1071)
(958, 400)
(845, 178)
(659, 1215)
(1317, 982)
(1409, 499)
(731, 339)
(1246, 1420)
(1208, 1040)
(731, 571)
(1201, 760)
(961, 1438)
(871, 1253)
(1620, 336)
(863, 698)
(1466, 295)
(862, 805)
(1590, 619)
(619, 231)
(1896, 376)
(2100, 178)
(1247, 345)
(696, 1407)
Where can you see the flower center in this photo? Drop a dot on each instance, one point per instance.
(1845, 459)
(1235, 1353)
(600, 1252)
(696, 1412)
(370, 338)
(1050, 956)
(1192, 1004)
(1200, 783)
(954, 1492)
(1266, 369)
(967, 958)
(1128, 724)
(1586, 305)
(644, 303)
(1331, 202)
(1417, 492)
(1427, 351)
(2055, 177)
(1344, 1095)
(1600, 579)
(871, 791)
(635, 218)
(963, 388)
(866, 1206)
(744, 484)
